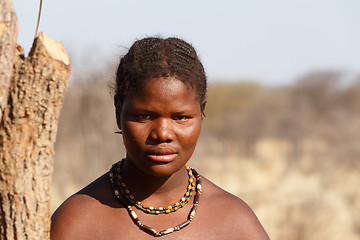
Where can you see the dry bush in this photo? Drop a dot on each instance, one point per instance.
(86, 144)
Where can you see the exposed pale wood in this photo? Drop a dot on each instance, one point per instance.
(27, 135)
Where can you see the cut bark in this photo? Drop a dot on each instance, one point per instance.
(27, 136)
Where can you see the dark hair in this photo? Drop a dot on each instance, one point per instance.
(151, 58)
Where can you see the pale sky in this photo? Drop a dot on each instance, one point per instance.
(272, 42)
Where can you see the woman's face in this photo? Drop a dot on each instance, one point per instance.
(161, 125)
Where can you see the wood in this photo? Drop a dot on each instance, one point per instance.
(8, 36)
(32, 91)
(27, 136)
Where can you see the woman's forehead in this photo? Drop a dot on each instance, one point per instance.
(164, 92)
(165, 85)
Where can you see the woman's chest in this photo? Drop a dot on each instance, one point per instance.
(121, 226)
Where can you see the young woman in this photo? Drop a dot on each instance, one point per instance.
(160, 99)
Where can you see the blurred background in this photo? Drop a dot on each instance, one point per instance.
(282, 124)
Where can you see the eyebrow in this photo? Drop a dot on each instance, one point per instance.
(145, 110)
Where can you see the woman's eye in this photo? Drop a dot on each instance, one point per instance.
(144, 116)
(181, 118)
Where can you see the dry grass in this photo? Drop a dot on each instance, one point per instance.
(292, 202)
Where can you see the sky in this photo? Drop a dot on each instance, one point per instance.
(272, 42)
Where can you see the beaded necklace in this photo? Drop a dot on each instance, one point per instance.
(135, 218)
(120, 184)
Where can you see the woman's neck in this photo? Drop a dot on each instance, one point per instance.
(152, 189)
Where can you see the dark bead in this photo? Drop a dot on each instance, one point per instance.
(184, 224)
(195, 173)
(194, 208)
(197, 198)
(148, 229)
(167, 231)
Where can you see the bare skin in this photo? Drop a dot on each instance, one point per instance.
(94, 213)
(160, 128)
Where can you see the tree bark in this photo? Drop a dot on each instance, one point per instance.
(8, 36)
(27, 136)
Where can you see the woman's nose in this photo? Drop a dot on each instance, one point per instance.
(162, 131)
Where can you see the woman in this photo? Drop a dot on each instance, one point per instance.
(160, 99)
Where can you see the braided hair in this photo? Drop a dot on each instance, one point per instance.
(152, 58)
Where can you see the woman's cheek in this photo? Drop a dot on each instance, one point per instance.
(190, 134)
(138, 132)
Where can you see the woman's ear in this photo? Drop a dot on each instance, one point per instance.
(118, 110)
(203, 104)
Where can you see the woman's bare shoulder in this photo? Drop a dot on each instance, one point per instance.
(235, 215)
(72, 219)
(75, 218)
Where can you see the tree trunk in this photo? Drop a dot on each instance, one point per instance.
(27, 135)
(8, 36)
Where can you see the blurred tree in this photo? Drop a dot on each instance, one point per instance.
(32, 92)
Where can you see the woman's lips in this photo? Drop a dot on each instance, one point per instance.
(162, 157)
